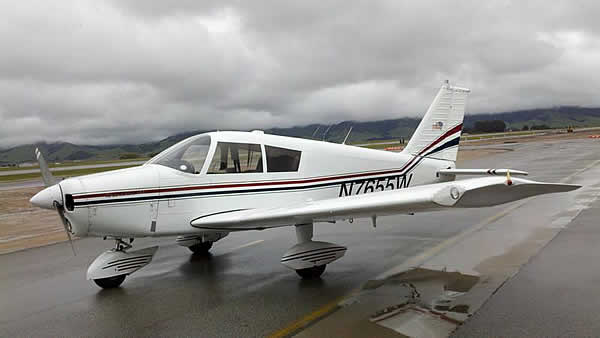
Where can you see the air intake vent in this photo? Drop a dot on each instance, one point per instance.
(69, 203)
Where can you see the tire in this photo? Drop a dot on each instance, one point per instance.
(311, 273)
(201, 248)
(110, 282)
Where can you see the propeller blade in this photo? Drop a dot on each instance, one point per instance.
(47, 177)
(61, 213)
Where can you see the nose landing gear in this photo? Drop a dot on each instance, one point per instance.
(110, 268)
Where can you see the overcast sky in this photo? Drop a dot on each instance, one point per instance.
(98, 72)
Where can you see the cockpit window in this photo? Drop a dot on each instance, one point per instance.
(282, 160)
(188, 156)
(236, 158)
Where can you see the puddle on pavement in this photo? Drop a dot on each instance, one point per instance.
(428, 301)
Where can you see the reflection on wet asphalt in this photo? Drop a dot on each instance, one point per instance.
(241, 289)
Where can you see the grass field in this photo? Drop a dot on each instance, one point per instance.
(64, 173)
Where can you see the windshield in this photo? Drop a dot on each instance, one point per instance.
(188, 156)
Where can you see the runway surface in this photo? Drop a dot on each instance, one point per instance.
(21, 184)
(242, 289)
(74, 167)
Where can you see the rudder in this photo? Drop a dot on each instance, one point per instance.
(438, 134)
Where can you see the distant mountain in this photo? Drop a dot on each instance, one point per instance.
(558, 117)
(361, 132)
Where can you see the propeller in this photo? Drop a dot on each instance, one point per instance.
(66, 224)
(50, 181)
(47, 177)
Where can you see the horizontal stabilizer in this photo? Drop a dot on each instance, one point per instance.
(484, 195)
(492, 172)
(474, 192)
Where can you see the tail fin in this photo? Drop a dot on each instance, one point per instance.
(438, 133)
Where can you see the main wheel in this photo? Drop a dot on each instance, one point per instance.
(311, 273)
(110, 282)
(201, 248)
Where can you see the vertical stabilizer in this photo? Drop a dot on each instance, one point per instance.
(438, 133)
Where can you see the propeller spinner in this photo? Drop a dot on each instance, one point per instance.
(51, 197)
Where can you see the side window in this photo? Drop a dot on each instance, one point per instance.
(187, 156)
(196, 155)
(236, 158)
(282, 160)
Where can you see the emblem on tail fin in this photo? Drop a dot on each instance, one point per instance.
(438, 125)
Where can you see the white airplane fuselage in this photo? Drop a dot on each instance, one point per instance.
(156, 200)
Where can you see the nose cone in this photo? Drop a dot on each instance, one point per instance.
(45, 198)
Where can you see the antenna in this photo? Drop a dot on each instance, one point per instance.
(315, 132)
(346, 138)
(326, 131)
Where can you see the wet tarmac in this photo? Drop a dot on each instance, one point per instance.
(555, 295)
(242, 289)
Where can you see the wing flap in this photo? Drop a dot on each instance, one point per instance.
(484, 172)
(476, 192)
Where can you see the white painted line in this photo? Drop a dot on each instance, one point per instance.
(418, 260)
(247, 245)
(564, 180)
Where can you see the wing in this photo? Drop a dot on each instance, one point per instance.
(476, 192)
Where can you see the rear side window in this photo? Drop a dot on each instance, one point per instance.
(231, 158)
(282, 160)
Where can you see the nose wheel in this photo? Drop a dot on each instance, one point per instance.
(110, 282)
(312, 272)
(201, 248)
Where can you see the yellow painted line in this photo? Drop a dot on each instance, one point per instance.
(306, 320)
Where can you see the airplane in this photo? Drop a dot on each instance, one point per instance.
(211, 184)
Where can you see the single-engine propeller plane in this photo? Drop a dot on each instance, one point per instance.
(209, 185)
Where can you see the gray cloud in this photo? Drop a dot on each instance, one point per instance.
(130, 71)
